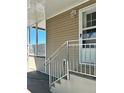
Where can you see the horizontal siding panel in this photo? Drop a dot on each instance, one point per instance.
(62, 28)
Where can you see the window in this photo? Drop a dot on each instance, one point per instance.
(41, 36)
(88, 25)
(91, 19)
(87, 35)
(41, 42)
(32, 36)
(32, 45)
(91, 33)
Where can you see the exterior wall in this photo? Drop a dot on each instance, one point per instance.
(76, 84)
(62, 28)
(36, 63)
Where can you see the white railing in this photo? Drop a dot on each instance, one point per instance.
(72, 57)
(33, 51)
(82, 58)
(58, 64)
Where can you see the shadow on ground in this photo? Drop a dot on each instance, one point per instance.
(37, 82)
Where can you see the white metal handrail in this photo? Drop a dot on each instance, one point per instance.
(58, 65)
(78, 40)
(72, 56)
(57, 50)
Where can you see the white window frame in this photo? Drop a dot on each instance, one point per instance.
(80, 18)
(90, 7)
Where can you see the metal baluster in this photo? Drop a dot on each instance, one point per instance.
(90, 69)
(90, 72)
(49, 73)
(74, 67)
(85, 68)
(94, 70)
(59, 68)
(79, 62)
(52, 71)
(67, 60)
(75, 59)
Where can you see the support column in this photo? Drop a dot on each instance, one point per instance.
(29, 36)
(29, 40)
(36, 39)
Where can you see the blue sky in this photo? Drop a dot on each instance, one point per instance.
(41, 36)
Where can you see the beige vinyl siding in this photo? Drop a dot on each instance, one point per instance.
(62, 28)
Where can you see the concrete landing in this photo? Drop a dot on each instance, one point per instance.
(37, 82)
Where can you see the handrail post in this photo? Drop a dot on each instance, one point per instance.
(49, 73)
(45, 66)
(67, 60)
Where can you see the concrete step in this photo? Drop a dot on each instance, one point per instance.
(76, 84)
